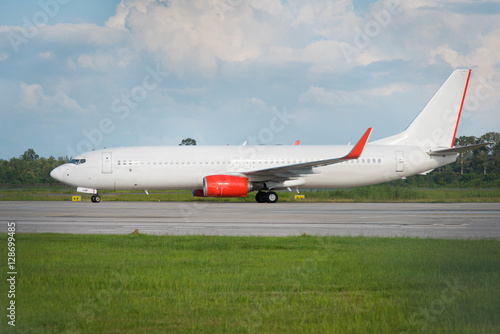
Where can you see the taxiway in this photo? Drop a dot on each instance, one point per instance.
(428, 220)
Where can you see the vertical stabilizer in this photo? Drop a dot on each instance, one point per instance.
(436, 125)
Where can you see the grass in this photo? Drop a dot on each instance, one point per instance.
(377, 193)
(208, 284)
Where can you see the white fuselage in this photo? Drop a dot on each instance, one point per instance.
(184, 167)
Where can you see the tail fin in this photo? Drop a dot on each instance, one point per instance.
(436, 125)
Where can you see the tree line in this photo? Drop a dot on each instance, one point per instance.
(477, 168)
(28, 169)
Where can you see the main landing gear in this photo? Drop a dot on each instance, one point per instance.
(269, 197)
(95, 198)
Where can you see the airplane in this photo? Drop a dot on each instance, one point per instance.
(234, 171)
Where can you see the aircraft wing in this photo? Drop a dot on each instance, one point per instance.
(457, 149)
(289, 171)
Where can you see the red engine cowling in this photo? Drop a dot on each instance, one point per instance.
(225, 186)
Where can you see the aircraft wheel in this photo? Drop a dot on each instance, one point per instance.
(97, 199)
(92, 199)
(261, 197)
(272, 197)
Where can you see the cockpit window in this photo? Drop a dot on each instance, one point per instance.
(77, 161)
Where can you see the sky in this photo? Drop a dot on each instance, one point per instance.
(80, 75)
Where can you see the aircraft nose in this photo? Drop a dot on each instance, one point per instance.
(57, 173)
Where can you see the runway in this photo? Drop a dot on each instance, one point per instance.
(427, 220)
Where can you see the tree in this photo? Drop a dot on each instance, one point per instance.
(493, 151)
(466, 156)
(29, 168)
(30, 155)
(188, 142)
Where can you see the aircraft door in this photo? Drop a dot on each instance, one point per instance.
(400, 161)
(106, 163)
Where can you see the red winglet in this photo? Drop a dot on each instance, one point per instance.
(297, 142)
(358, 149)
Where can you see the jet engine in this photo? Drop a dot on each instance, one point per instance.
(224, 186)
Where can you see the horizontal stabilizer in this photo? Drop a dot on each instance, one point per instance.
(458, 149)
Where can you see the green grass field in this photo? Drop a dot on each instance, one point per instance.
(377, 193)
(207, 284)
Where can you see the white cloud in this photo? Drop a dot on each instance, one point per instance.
(81, 35)
(195, 35)
(95, 62)
(321, 96)
(326, 53)
(230, 60)
(332, 98)
(485, 54)
(184, 34)
(33, 99)
(123, 9)
(390, 89)
(46, 55)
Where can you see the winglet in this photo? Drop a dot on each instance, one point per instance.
(358, 149)
(297, 142)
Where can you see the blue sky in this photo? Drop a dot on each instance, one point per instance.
(78, 75)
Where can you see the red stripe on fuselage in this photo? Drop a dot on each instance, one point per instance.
(460, 112)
